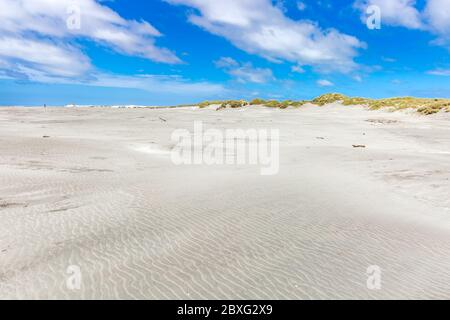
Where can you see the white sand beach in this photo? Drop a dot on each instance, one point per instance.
(96, 188)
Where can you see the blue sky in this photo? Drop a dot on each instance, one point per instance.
(165, 52)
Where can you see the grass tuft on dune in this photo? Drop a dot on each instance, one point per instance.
(424, 106)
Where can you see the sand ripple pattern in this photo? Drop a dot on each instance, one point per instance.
(139, 227)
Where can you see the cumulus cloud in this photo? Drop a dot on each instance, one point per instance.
(244, 72)
(39, 36)
(394, 12)
(437, 13)
(434, 18)
(38, 42)
(25, 56)
(259, 27)
(437, 16)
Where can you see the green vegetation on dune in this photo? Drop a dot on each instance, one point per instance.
(424, 106)
(205, 104)
(351, 101)
(329, 98)
(277, 104)
(273, 104)
(233, 104)
(337, 97)
(257, 101)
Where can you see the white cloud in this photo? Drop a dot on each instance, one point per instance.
(394, 12)
(259, 27)
(437, 16)
(247, 73)
(37, 45)
(35, 37)
(226, 62)
(440, 72)
(244, 72)
(434, 18)
(280, 4)
(44, 56)
(437, 13)
(325, 83)
(158, 84)
(297, 69)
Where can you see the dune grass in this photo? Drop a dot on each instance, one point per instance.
(257, 101)
(233, 104)
(278, 104)
(205, 104)
(424, 106)
(328, 98)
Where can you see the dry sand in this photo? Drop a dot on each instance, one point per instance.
(100, 192)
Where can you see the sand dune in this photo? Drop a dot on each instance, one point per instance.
(100, 192)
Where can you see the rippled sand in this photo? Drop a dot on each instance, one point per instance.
(95, 188)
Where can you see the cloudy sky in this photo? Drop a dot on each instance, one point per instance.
(167, 52)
